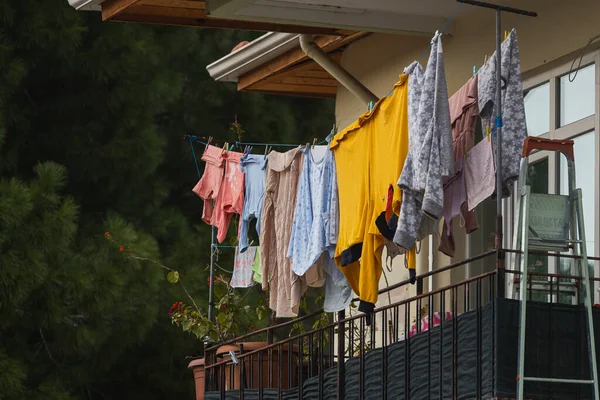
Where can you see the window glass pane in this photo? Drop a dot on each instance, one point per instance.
(537, 110)
(577, 98)
(537, 178)
(585, 178)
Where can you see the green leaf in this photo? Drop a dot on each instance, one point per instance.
(220, 289)
(186, 325)
(173, 277)
(222, 318)
(261, 313)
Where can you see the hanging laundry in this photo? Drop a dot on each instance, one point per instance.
(242, 268)
(369, 156)
(253, 166)
(463, 117)
(311, 216)
(285, 287)
(257, 277)
(480, 173)
(231, 195)
(208, 186)
(430, 156)
(514, 129)
(338, 293)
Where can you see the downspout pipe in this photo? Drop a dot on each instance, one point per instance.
(314, 52)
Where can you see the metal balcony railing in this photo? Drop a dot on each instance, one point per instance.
(442, 344)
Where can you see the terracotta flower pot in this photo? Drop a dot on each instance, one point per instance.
(197, 367)
(252, 366)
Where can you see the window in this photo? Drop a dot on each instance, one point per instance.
(577, 98)
(537, 109)
(557, 108)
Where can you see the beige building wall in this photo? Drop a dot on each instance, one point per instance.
(561, 28)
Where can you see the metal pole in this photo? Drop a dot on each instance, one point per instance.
(211, 285)
(499, 181)
(341, 350)
(498, 128)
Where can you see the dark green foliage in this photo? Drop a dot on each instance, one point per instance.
(91, 122)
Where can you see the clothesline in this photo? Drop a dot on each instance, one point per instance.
(195, 139)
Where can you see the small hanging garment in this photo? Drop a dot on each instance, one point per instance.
(463, 117)
(208, 186)
(480, 173)
(242, 268)
(338, 293)
(257, 277)
(254, 168)
(281, 184)
(514, 129)
(430, 155)
(231, 195)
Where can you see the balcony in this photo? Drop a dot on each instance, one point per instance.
(462, 345)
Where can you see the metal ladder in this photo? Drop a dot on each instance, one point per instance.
(551, 223)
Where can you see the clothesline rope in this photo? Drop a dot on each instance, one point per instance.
(194, 139)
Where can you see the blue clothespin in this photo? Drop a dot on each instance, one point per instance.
(474, 70)
(371, 104)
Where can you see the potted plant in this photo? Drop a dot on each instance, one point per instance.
(233, 318)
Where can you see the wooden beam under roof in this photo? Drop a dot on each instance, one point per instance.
(295, 63)
(304, 79)
(193, 13)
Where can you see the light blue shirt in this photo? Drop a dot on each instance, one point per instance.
(253, 166)
(315, 225)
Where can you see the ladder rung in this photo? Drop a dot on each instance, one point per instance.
(558, 380)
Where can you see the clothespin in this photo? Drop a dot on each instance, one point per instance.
(505, 34)
(314, 142)
(267, 149)
(371, 105)
(334, 129)
(487, 132)
(225, 146)
(474, 70)
(485, 59)
(209, 141)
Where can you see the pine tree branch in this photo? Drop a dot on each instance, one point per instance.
(48, 350)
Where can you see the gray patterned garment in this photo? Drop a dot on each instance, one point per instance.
(514, 130)
(430, 154)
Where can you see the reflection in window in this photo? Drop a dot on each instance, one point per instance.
(537, 110)
(577, 98)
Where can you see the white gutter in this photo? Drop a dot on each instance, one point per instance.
(313, 51)
(252, 55)
(88, 5)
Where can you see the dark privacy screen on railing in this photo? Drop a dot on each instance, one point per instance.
(457, 342)
(559, 351)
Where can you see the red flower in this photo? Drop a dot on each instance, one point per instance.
(208, 281)
(106, 235)
(121, 249)
(223, 308)
(252, 327)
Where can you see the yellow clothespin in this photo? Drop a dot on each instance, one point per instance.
(226, 146)
(487, 132)
(505, 34)
(485, 59)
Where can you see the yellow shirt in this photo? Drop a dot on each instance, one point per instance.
(369, 156)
